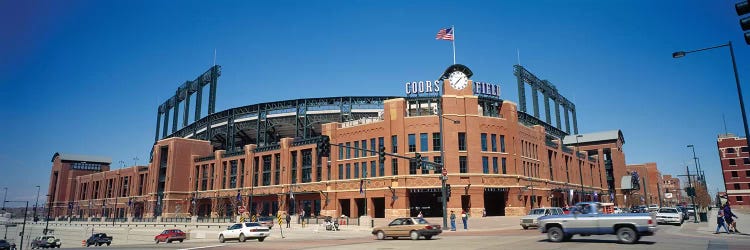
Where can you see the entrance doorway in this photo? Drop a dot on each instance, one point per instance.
(494, 202)
(361, 207)
(379, 205)
(466, 203)
(428, 201)
(345, 207)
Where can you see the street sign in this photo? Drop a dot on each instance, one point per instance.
(445, 171)
(241, 209)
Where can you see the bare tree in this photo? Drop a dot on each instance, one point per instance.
(702, 198)
(234, 203)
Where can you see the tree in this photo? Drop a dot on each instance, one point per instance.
(702, 198)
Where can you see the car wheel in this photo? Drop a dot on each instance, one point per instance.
(181, 241)
(221, 238)
(555, 234)
(242, 238)
(627, 235)
(380, 235)
(413, 235)
(428, 237)
(261, 239)
(156, 241)
(525, 227)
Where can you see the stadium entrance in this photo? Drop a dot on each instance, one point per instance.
(426, 200)
(494, 201)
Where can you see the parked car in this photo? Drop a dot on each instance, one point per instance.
(266, 221)
(653, 208)
(99, 239)
(5, 245)
(244, 231)
(669, 215)
(691, 210)
(412, 227)
(531, 220)
(684, 212)
(46, 241)
(619, 210)
(170, 235)
(588, 220)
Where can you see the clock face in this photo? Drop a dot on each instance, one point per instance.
(458, 80)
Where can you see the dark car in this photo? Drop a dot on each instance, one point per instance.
(170, 235)
(98, 240)
(5, 245)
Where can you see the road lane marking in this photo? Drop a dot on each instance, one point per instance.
(192, 248)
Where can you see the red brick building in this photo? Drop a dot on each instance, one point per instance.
(495, 163)
(651, 190)
(672, 190)
(735, 166)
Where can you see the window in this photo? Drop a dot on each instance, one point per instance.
(502, 143)
(341, 151)
(746, 161)
(348, 171)
(425, 169)
(438, 169)
(242, 173)
(266, 170)
(223, 177)
(747, 173)
(484, 141)
(423, 142)
(364, 169)
(381, 165)
(494, 165)
(730, 150)
(739, 198)
(294, 167)
(736, 186)
(374, 169)
(348, 150)
(503, 160)
(436, 142)
(356, 149)
(364, 148)
(493, 139)
(394, 166)
(461, 141)
(463, 164)
(356, 170)
(306, 165)
(328, 172)
(412, 167)
(412, 143)
(485, 165)
(745, 149)
(394, 144)
(233, 174)
(277, 171)
(372, 146)
(732, 162)
(734, 174)
(341, 171)
(381, 143)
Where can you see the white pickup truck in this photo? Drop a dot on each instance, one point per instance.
(587, 219)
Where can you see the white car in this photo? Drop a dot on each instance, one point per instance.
(669, 215)
(532, 219)
(243, 231)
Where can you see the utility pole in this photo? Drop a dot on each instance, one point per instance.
(36, 204)
(691, 194)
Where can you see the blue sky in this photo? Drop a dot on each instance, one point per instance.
(85, 77)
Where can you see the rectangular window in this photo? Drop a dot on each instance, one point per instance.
(356, 170)
(463, 165)
(503, 161)
(306, 165)
(394, 144)
(732, 162)
(340, 148)
(394, 166)
(242, 172)
(412, 143)
(294, 167)
(328, 172)
(746, 161)
(255, 170)
(425, 168)
(734, 174)
(412, 167)
(348, 171)
(381, 142)
(266, 170)
(494, 165)
(356, 149)
(736, 186)
(484, 141)
(374, 169)
(341, 171)
(739, 198)
(348, 150)
(438, 169)
(364, 148)
(224, 175)
(502, 143)
(318, 167)
(461, 141)
(436, 142)
(747, 173)
(423, 146)
(277, 171)
(364, 169)
(233, 174)
(381, 165)
(372, 147)
(493, 139)
(485, 165)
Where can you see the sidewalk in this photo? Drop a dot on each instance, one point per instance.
(474, 223)
(743, 224)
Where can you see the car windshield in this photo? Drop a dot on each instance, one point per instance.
(421, 221)
(252, 224)
(536, 211)
(668, 210)
(165, 232)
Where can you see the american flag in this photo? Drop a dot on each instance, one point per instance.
(445, 34)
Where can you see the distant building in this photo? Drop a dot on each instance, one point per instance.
(650, 182)
(735, 165)
(672, 190)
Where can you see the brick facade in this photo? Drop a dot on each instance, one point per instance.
(735, 166)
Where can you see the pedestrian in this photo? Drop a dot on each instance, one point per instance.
(465, 218)
(729, 218)
(453, 221)
(484, 213)
(302, 216)
(720, 222)
(420, 215)
(288, 220)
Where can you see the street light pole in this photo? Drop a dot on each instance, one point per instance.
(578, 161)
(692, 197)
(695, 158)
(679, 54)
(443, 179)
(23, 228)
(49, 208)
(37, 202)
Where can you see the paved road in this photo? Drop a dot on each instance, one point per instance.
(685, 237)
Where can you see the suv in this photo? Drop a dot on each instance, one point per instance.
(47, 241)
(532, 219)
(244, 231)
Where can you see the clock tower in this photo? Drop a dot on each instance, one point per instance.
(457, 81)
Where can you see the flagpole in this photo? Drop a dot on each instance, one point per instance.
(453, 41)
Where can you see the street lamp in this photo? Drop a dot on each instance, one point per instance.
(23, 228)
(443, 179)
(37, 202)
(679, 54)
(49, 208)
(697, 166)
(580, 170)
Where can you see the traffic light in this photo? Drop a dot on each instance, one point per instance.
(381, 154)
(690, 191)
(743, 8)
(324, 146)
(448, 192)
(418, 159)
